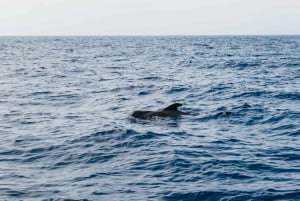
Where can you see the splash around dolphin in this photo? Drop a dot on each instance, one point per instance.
(170, 111)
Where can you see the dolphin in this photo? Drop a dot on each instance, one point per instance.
(170, 111)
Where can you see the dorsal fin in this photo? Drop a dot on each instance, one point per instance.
(174, 106)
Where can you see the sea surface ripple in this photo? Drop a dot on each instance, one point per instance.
(66, 131)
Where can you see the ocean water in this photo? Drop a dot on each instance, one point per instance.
(66, 131)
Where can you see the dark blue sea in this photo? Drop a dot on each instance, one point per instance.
(66, 132)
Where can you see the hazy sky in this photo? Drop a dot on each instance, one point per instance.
(149, 17)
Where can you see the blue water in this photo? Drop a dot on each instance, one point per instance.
(66, 131)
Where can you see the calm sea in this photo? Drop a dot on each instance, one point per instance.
(66, 131)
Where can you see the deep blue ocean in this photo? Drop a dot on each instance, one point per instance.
(66, 132)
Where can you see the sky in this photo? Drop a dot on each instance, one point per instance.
(149, 17)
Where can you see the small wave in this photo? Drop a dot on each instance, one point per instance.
(151, 78)
(99, 136)
(242, 64)
(285, 127)
(294, 133)
(288, 95)
(254, 94)
(276, 118)
(177, 89)
(227, 141)
(40, 93)
(269, 194)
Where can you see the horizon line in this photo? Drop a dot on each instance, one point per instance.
(142, 35)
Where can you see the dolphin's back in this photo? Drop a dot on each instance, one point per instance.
(141, 114)
(170, 111)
